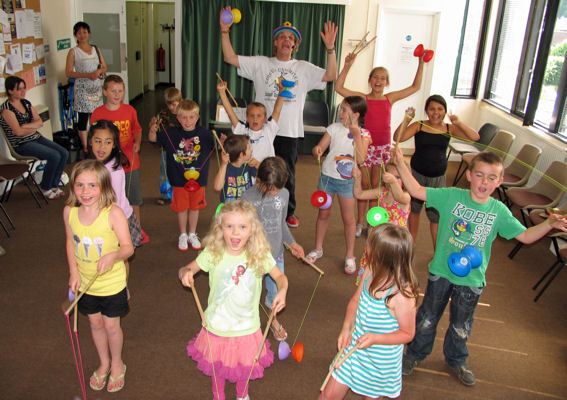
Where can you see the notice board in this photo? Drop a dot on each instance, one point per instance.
(22, 51)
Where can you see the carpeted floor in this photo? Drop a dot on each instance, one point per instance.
(518, 347)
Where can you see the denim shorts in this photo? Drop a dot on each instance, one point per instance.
(342, 187)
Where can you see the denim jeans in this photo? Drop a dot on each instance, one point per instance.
(163, 174)
(286, 148)
(271, 286)
(55, 155)
(464, 300)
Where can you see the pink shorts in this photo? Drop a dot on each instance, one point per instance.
(377, 155)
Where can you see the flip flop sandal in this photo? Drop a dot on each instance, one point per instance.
(278, 333)
(100, 381)
(112, 380)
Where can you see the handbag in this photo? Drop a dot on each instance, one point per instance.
(101, 76)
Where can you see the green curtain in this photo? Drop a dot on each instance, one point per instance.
(202, 55)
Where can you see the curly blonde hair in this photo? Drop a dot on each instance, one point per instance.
(257, 247)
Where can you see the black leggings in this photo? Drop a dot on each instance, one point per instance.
(83, 121)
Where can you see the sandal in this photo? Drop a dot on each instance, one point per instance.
(112, 380)
(278, 335)
(350, 265)
(163, 202)
(100, 381)
(314, 255)
(359, 229)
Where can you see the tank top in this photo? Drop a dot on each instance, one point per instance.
(430, 157)
(377, 121)
(91, 243)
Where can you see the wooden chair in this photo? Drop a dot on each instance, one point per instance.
(500, 145)
(519, 171)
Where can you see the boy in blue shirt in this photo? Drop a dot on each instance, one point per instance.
(188, 151)
(467, 217)
(235, 175)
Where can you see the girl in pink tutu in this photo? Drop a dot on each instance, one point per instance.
(236, 255)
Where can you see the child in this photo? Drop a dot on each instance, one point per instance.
(391, 197)
(235, 174)
(103, 144)
(466, 217)
(125, 118)
(342, 139)
(98, 241)
(166, 119)
(188, 150)
(236, 256)
(377, 122)
(429, 162)
(261, 130)
(270, 198)
(380, 318)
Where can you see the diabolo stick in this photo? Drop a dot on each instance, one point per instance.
(268, 324)
(77, 298)
(306, 260)
(335, 360)
(218, 140)
(231, 96)
(364, 46)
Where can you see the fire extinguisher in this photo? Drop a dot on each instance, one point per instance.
(160, 59)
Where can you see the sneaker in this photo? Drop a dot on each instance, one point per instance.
(182, 244)
(350, 265)
(243, 398)
(58, 192)
(408, 364)
(465, 375)
(49, 194)
(145, 238)
(359, 229)
(292, 221)
(194, 240)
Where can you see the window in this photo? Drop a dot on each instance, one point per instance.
(471, 48)
(528, 72)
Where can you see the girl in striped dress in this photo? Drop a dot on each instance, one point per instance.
(379, 319)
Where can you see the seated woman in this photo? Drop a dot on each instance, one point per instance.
(20, 122)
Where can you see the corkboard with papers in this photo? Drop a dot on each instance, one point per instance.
(21, 42)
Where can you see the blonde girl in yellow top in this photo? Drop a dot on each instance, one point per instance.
(98, 241)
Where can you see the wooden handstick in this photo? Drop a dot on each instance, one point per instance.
(347, 355)
(360, 43)
(218, 141)
(366, 44)
(268, 324)
(199, 307)
(77, 298)
(331, 369)
(306, 261)
(228, 91)
(75, 316)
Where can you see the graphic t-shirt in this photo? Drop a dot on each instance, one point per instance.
(186, 150)
(262, 141)
(463, 221)
(339, 161)
(263, 71)
(234, 296)
(236, 181)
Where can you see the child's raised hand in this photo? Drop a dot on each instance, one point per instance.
(388, 178)
(185, 275)
(221, 87)
(225, 158)
(397, 155)
(410, 113)
(349, 59)
(454, 119)
(222, 138)
(297, 250)
(281, 87)
(366, 340)
(254, 163)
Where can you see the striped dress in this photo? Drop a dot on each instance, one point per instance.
(377, 370)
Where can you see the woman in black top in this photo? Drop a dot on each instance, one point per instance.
(20, 122)
(429, 162)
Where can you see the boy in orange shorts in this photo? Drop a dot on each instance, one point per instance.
(188, 151)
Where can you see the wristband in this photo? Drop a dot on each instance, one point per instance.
(331, 51)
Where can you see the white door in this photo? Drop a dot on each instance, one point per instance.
(107, 20)
(399, 31)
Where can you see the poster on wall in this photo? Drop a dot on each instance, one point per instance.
(7, 6)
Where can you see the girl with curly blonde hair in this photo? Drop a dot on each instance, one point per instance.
(236, 255)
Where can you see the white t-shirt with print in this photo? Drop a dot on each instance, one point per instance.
(263, 71)
(339, 161)
(262, 141)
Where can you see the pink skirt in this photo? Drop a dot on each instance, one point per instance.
(233, 356)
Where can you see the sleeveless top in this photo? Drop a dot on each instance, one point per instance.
(88, 93)
(396, 214)
(91, 243)
(375, 371)
(430, 157)
(23, 118)
(377, 121)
